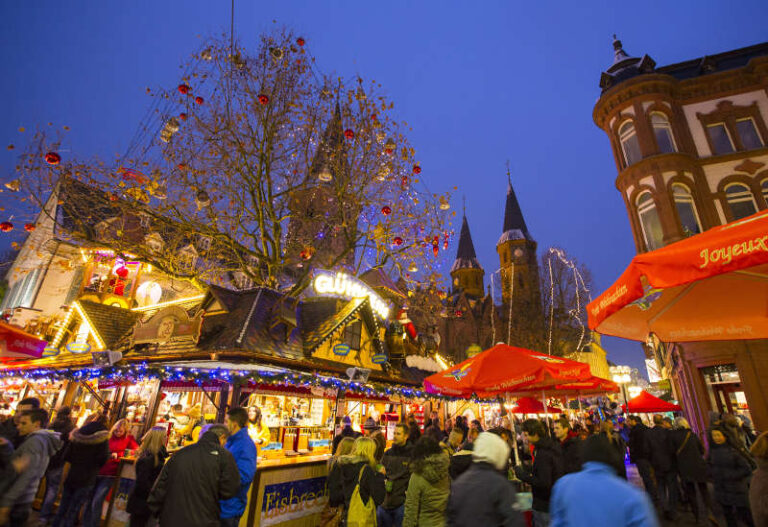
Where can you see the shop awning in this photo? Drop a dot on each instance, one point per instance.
(647, 403)
(191, 386)
(18, 344)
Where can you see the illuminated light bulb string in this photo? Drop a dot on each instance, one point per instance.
(578, 283)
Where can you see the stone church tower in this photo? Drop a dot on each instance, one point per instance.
(466, 272)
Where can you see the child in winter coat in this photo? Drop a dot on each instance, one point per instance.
(429, 486)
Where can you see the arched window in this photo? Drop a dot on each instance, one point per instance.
(686, 209)
(629, 143)
(649, 221)
(665, 141)
(764, 186)
(740, 200)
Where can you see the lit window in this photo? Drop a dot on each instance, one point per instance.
(740, 200)
(721, 141)
(686, 209)
(649, 221)
(748, 134)
(629, 143)
(663, 132)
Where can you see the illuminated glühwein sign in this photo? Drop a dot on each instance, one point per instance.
(330, 283)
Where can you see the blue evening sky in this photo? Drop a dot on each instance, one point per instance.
(480, 83)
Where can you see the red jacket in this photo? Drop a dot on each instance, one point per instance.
(117, 445)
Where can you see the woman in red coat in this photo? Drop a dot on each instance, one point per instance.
(119, 442)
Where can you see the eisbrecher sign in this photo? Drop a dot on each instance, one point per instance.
(169, 324)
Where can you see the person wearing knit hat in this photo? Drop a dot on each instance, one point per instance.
(483, 495)
(573, 502)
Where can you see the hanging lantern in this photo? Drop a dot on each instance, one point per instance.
(52, 158)
(435, 250)
(385, 210)
(183, 116)
(199, 100)
(325, 175)
(206, 54)
(349, 134)
(6, 226)
(397, 240)
(404, 182)
(202, 199)
(122, 272)
(380, 137)
(444, 205)
(383, 173)
(13, 185)
(389, 146)
(416, 169)
(300, 41)
(263, 99)
(183, 89)
(29, 227)
(277, 53)
(412, 268)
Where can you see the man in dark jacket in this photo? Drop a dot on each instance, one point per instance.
(86, 453)
(547, 468)
(346, 431)
(639, 454)
(663, 464)
(483, 495)
(63, 425)
(397, 470)
(188, 490)
(569, 444)
(37, 446)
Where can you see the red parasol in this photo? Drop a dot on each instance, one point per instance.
(647, 403)
(712, 286)
(591, 386)
(505, 369)
(529, 405)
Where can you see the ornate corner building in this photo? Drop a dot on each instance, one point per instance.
(690, 142)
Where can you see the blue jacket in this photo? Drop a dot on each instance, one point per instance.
(244, 451)
(578, 500)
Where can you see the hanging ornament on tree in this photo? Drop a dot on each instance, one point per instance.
(276, 53)
(52, 158)
(183, 116)
(349, 134)
(307, 253)
(360, 94)
(183, 89)
(14, 185)
(385, 210)
(397, 240)
(199, 100)
(435, 250)
(444, 205)
(202, 199)
(300, 41)
(206, 54)
(445, 245)
(416, 169)
(389, 146)
(29, 227)
(383, 173)
(404, 182)
(459, 313)
(6, 226)
(374, 117)
(412, 268)
(263, 99)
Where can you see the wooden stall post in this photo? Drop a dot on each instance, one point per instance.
(221, 410)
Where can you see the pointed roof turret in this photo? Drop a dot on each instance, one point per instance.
(465, 255)
(624, 66)
(514, 223)
(329, 156)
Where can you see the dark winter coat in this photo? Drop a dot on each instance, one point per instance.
(64, 427)
(188, 490)
(618, 450)
(571, 453)
(146, 475)
(344, 477)
(397, 461)
(758, 490)
(547, 468)
(660, 448)
(87, 452)
(428, 492)
(638, 443)
(460, 461)
(9, 431)
(689, 455)
(347, 431)
(38, 447)
(730, 472)
(483, 496)
(7, 472)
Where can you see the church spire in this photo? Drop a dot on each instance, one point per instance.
(466, 271)
(514, 223)
(329, 160)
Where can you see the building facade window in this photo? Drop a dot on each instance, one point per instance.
(686, 209)
(649, 221)
(665, 140)
(630, 146)
(764, 188)
(351, 336)
(741, 202)
(720, 139)
(750, 139)
(726, 394)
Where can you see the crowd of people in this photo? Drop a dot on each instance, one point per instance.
(205, 483)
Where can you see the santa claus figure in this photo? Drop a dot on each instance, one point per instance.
(403, 320)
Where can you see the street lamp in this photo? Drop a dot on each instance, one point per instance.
(621, 376)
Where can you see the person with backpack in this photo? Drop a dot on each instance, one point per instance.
(429, 487)
(150, 459)
(730, 472)
(356, 483)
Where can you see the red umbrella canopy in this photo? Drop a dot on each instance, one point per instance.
(505, 369)
(529, 405)
(647, 403)
(591, 386)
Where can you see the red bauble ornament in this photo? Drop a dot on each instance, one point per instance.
(300, 41)
(398, 240)
(183, 116)
(122, 272)
(385, 210)
(6, 226)
(263, 99)
(29, 227)
(389, 151)
(349, 134)
(183, 89)
(199, 100)
(435, 250)
(52, 158)
(416, 169)
(374, 117)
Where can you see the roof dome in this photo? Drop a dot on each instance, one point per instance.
(624, 66)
